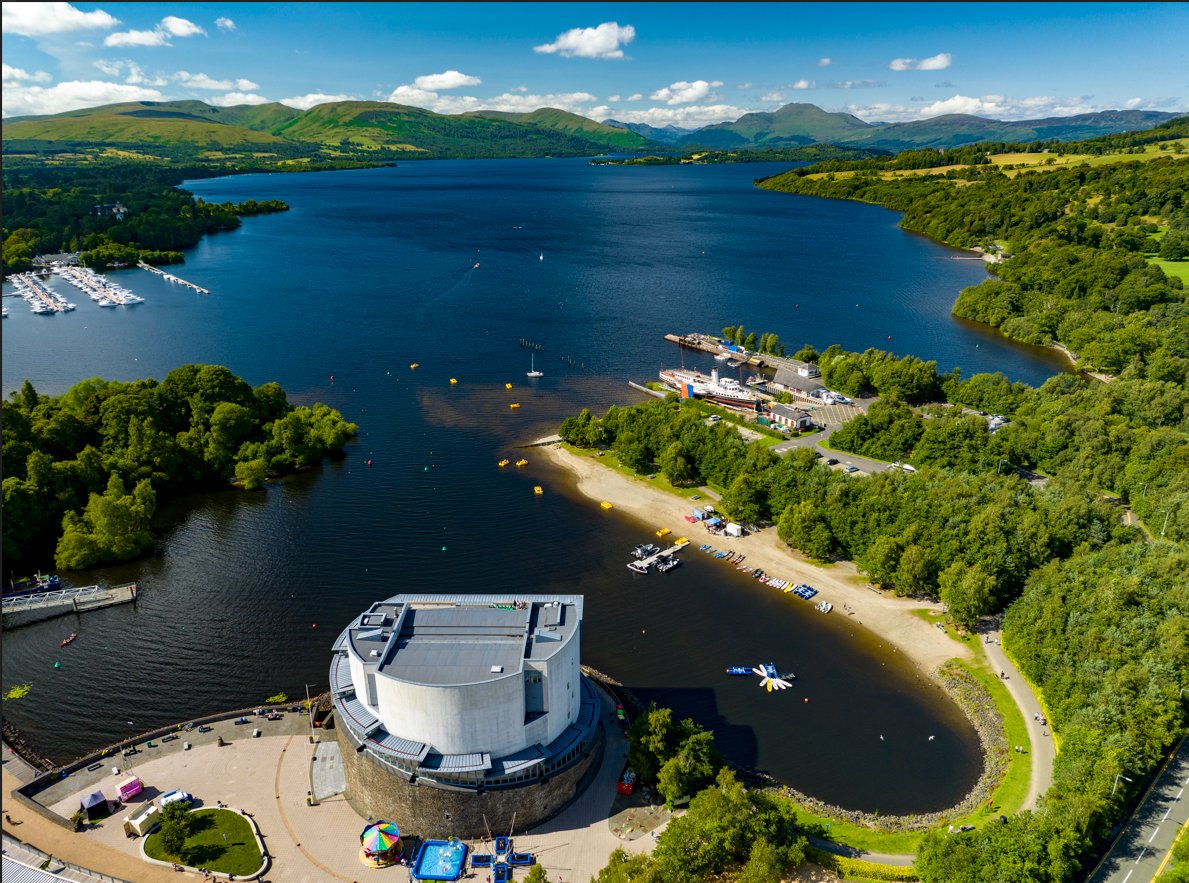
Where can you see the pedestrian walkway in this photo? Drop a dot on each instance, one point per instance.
(1042, 751)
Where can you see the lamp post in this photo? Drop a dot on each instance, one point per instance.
(1119, 776)
(999, 468)
(310, 712)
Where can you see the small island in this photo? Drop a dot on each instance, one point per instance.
(84, 470)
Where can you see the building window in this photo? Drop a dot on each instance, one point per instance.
(371, 691)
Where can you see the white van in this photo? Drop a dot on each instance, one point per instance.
(183, 797)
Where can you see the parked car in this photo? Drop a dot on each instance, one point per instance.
(851, 469)
(831, 462)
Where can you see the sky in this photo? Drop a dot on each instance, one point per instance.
(688, 64)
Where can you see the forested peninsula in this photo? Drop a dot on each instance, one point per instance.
(1077, 221)
(84, 471)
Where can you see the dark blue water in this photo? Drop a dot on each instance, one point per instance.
(374, 270)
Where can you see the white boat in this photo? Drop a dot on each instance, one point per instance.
(533, 372)
(722, 357)
(638, 567)
(824, 606)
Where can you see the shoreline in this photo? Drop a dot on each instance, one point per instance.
(888, 617)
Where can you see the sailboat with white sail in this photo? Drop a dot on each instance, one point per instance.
(533, 372)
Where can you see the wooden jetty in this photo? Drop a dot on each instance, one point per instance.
(709, 344)
(169, 277)
(43, 605)
(647, 563)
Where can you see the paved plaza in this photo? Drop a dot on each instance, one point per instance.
(269, 778)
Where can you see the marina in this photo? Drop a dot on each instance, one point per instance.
(41, 299)
(169, 277)
(648, 556)
(103, 291)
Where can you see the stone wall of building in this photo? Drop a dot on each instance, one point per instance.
(430, 810)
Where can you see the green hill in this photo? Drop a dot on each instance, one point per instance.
(171, 123)
(572, 124)
(790, 125)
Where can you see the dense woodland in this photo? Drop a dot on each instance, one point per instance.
(1097, 616)
(1077, 237)
(83, 471)
(53, 209)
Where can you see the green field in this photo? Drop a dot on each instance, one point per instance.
(1175, 269)
(220, 840)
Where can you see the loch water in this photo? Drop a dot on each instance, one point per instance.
(451, 264)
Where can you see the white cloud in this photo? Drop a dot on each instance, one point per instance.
(772, 96)
(310, 99)
(601, 42)
(137, 38)
(858, 84)
(71, 95)
(445, 80)
(613, 98)
(683, 92)
(937, 62)
(14, 76)
(131, 72)
(41, 19)
(803, 84)
(224, 23)
(170, 26)
(999, 107)
(412, 95)
(180, 27)
(689, 116)
(743, 85)
(637, 96)
(1133, 103)
(511, 101)
(202, 81)
(231, 99)
(825, 61)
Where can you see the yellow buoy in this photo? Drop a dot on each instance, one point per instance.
(507, 386)
(537, 490)
(415, 365)
(503, 463)
(452, 380)
(514, 405)
(605, 504)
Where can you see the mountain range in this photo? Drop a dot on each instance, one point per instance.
(387, 129)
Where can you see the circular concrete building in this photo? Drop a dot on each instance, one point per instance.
(457, 712)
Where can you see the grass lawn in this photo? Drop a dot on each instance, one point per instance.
(1176, 269)
(220, 840)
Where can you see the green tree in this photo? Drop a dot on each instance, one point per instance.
(251, 473)
(764, 864)
(175, 828)
(536, 874)
(967, 592)
(1174, 246)
(676, 466)
(690, 769)
(114, 527)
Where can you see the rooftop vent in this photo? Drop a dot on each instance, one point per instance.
(375, 653)
(497, 669)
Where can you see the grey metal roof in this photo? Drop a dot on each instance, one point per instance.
(442, 640)
(788, 411)
(520, 760)
(18, 872)
(405, 749)
(790, 378)
(340, 674)
(362, 720)
(457, 763)
(569, 737)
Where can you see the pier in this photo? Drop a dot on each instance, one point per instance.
(169, 277)
(645, 564)
(40, 298)
(102, 291)
(709, 344)
(44, 605)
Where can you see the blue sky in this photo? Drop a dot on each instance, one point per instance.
(686, 64)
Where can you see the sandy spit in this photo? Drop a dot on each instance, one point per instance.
(841, 584)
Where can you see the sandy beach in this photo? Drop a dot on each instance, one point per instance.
(887, 616)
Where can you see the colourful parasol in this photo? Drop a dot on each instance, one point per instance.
(379, 837)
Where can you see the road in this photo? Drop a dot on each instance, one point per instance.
(1141, 851)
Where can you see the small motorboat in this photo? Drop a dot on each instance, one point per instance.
(522, 462)
(70, 638)
(638, 566)
(504, 463)
(605, 505)
(739, 669)
(537, 490)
